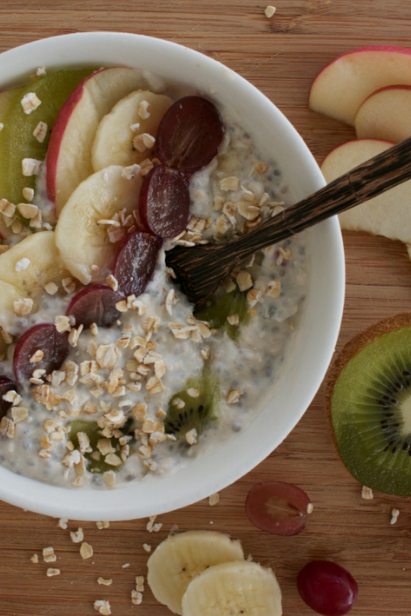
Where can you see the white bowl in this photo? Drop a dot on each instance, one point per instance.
(313, 345)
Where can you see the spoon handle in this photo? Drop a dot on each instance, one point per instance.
(391, 167)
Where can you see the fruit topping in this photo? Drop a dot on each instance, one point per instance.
(41, 346)
(369, 399)
(187, 413)
(221, 307)
(233, 588)
(327, 588)
(6, 385)
(189, 134)
(277, 507)
(178, 559)
(123, 136)
(165, 202)
(374, 119)
(135, 262)
(94, 304)
(17, 141)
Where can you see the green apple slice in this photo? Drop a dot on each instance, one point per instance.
(16, 138)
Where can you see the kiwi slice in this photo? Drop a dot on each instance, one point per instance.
(223, 305)
(93, 431)
(197, 412)
(368, 395)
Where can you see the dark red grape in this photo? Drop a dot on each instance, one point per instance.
(327, 588)
(6, 385)
(42, 337)
(277, 507)
(164, 207)
(135, 262)
(94, 304)
(189, 134)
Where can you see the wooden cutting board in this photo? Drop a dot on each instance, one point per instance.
(281, 56)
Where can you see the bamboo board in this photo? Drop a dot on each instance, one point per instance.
(281, 56)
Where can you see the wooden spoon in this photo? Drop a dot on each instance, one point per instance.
(200, 270)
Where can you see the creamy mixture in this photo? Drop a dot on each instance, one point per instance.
(128, 377)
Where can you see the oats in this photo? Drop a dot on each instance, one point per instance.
(28, 193)
(13, 397)
(109, 479)
(38, 356)
(394, 515)
(310, 508)
(222, 224)
(94, 329)
(30, 166)
(112, 459)
(102, 606)
(44, 454)
(205, 353)
(49, 555)
(273, 289)
(7, 208)
(84, 442)
(171, 299)
(62, 523)
(140, 583)
(159, 368)
(19, 413)
(122, 305)
(144, 452)
(191, 436)
(140, 411)
(107, 355)
(135, 127)
(74, 335)
(269, 12)
(52, 572)
(86, 551)
(264, 200)
(109, 222)
(28, 210)
(285, 252)
(138, 306)
(143, 142)
(40, 131)
(193, 393)
(104, 581)
(151, 324)
(247, 210)
(262, 167)
(51, 288)
(71, 458)
(103, 525)
(136, 597)
(22, 264)
(142, 110)
(71, 370)
(234, 319)
(229, 183)
(115, 234)
(30, 102)
(62, 323)
(154, 385)
(17, 227)
(69, 285)
(234, 396)
(147, 547)
(244, 280)
(34, 559)
(150, 465)
(214, 499)
(254, 296)
(367, 493)
(37, 222)
(150, 523)
(179, 331)
(112, 282)
(229, 284)
(41, 71)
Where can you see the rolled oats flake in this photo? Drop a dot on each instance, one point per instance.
(191, 436)
(394, 515)
(154, 385)
(6, 208)
(109, 479)
(62, 523)
(19, 413)
(62, 323)
(229, 183)
(103, 607)
(34, 559)
(28, 193)
(142, 110)
(30, 102)
(233, 319)
(37, 357)
(86, 551)
(51, 288)
(214, 499)
(136, 597)
(367, 493)
(51, 572)
(147, 547)
(30, 166)
(244, 280)
(104, 582)
(49, 555)
(22, 264)
(234, 396)
(111, 281)
(40, 132)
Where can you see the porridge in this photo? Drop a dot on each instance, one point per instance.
(108, 372)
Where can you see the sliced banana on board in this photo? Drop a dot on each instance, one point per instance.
(113, 143)
(233, 589)
(32, 263)
(180, 558)
(81, 240)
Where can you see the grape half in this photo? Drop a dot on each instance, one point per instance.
(327, 588)
(135, 262)
(164, 207)
(43, 337)
(6, 385)
(95, 304)
(277, 507)
(189, 134)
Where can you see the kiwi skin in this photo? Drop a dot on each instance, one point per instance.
(351, 349)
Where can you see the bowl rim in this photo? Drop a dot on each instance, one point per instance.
(181, 491)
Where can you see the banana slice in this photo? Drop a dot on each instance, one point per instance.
(32, 263)
(83, 242)
(113, 143)
(231, 589)
(180, 558)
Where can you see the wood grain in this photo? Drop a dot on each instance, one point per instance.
(280, 56)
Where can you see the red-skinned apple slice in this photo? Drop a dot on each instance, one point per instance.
(388, 214)
(385, 114)
(344, 84)
(83, 242)
(69, 151)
